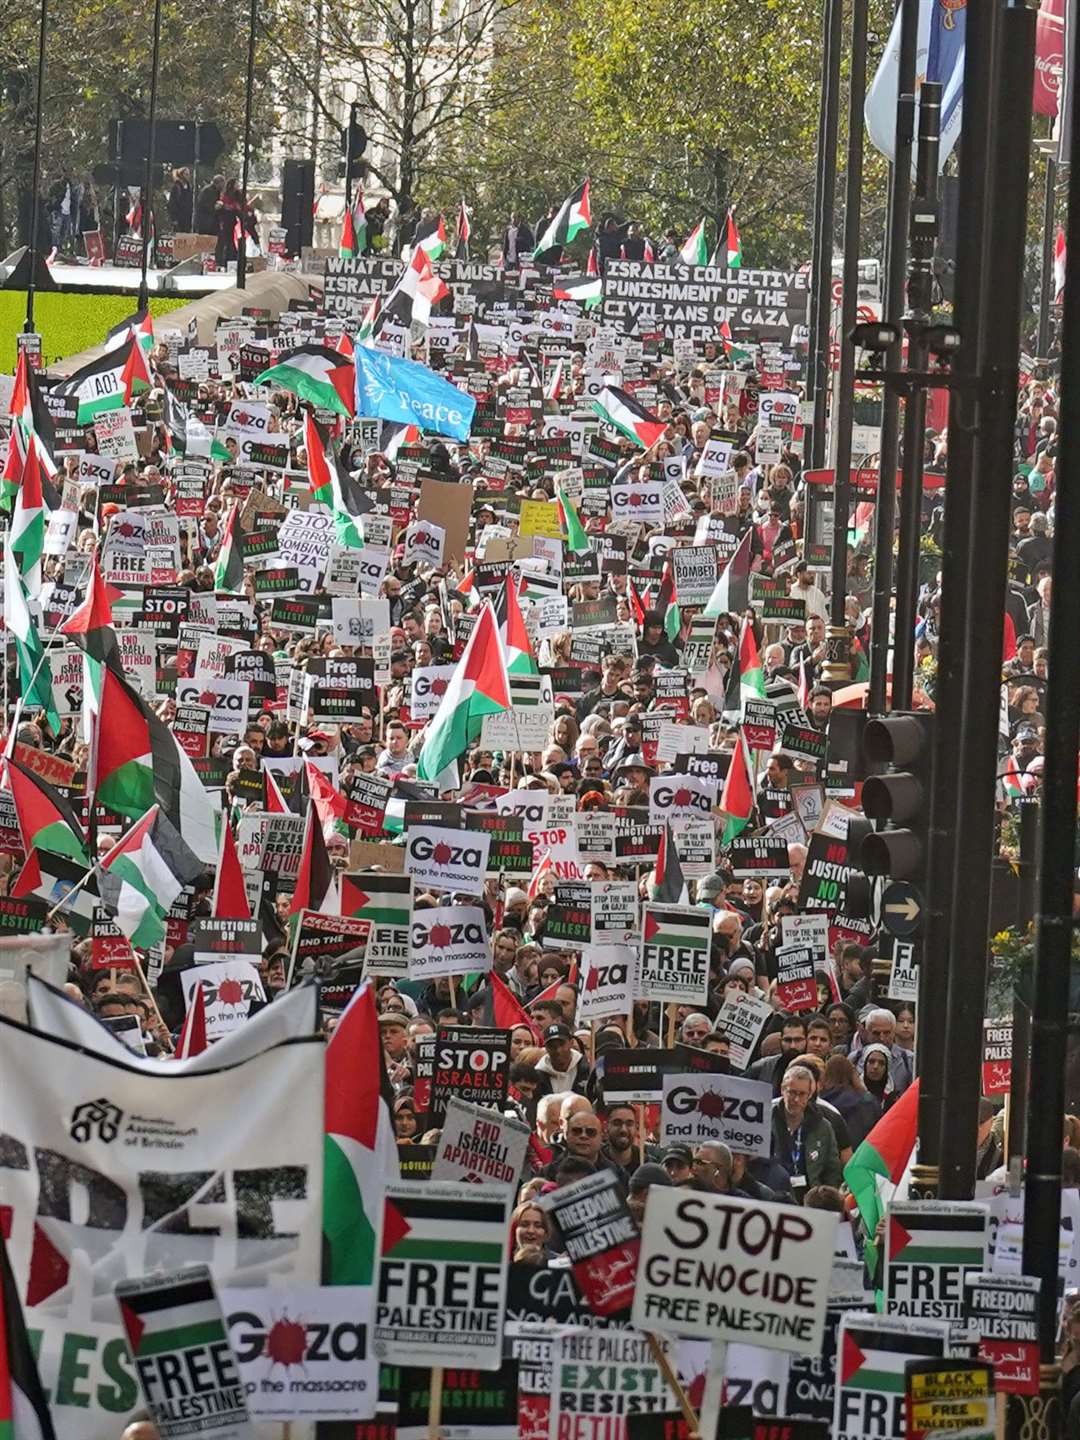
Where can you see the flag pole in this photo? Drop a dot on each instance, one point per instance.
(434, 1414)
(667, 1370)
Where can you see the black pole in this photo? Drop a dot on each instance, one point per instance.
(838, 666)
(896, 266)
(349, 155)
(952, 638)
(249, 96)
(148, 174)
(822, 277)
(924, 229)
(815, 252)
(31, 284)
(990, 518)
(1053, 920)
(1042, 343)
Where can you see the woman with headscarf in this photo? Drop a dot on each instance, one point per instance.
(873, 1066)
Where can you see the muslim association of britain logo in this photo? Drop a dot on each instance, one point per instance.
(96, 1118)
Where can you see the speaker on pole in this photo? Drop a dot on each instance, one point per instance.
(297, 204)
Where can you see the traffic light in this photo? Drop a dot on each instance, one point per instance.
(898, 748)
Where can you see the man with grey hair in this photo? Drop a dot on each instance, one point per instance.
(803, 1140)
(695, 1029)
(713, 1164)
(877, 1026)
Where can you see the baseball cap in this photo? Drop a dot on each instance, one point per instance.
(710, 887)
(646, 1175)
(680, 1153)
(557, 1031)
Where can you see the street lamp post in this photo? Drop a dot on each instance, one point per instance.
(31, 284)
(241, 248)
(824, 221)
(148, 174)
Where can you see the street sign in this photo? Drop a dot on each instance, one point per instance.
(901, 908)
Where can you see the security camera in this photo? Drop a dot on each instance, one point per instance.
(874, 335)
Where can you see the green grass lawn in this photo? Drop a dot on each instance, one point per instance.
(69, 323)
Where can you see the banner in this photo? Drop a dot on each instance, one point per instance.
(693, 302)
(727, 1269)
(480, 1147)
(442, 1275)
(207, 1148)
(388, 388)
(187, 1372)
(698, 1108)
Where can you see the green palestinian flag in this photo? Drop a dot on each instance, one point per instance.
(382, 899)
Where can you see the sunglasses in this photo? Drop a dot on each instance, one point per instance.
(583, 1130)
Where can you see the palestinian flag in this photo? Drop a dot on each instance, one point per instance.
(360, 1154)
(123, 762)
(668, 605)
(317, 374)
(26, 539)
(587, 290)
(732, 243)
(515, 638)
(506, 1009)
(862, 663)
(877, 1166)
(418, 288)
(737, 797)
(421, 1224)
(927, 1233)
(229, 569)
(192, 1038)
(90, 626)
(28, 405)
(670, 884)
(24, 1410)
(382, 899)
(135, 376)
(35, 674)
(545, 866)
(677, 925)
(46, 819)
(369, 324)
(353, 230)
(555, 383)
(344, 346)
(50, 877)
(99, 385)
(316, 876)
(593, 265)
(694, 249)
(572, 218)
(747, 668)
(1008, 640)
(873, 1350)
(333, 487)
(619, 408)
(182, 1314)
(430, 237)
(1013, 779)
(143, 874)
(137, 761)
(186, 434)
(734, 352)
(732, 593)
(330, 804)
(464, 232)
(478, 687)
(230, 896)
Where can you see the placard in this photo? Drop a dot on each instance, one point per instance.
(675, 954)
(478, 1146)
(698, 1108)
(600, 1237)
(472, 1062)
(736, 1270)
(930, 1246)
(870, 1383)
(796, 984)
(742, 1019)
(447, 859)
(615, 917)
(1002, 1310)
(448, 940)
(608, 981)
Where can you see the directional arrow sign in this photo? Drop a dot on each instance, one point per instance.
(901, 908)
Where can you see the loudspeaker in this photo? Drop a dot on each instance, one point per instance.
(297, 204)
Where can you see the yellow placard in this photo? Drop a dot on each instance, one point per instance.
(540, 517)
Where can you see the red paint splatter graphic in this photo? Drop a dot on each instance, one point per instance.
(230, 992)
(439, 936)
(441, 854)
(286, 1342)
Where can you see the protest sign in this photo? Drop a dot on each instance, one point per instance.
(742, 1019)
(1002, 1311)
(997, 1057)
(758, 857)
(187, 1372)
(729, 1269)
(448, 940)
(679, 798)
(229, 989)
(447, 859)
(600, 1237)
(675, 954)
(598, 1379)
(471, 1062)
(478, 1146)
(717, 1107)
(385, 902)
(811, 931)
(949, 1397)
(608, 981)
(637, 1075)
(796, 986)
(614, 912)
(442, 1275)
(930, 1246)
(870, 1378)
(429, 684)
